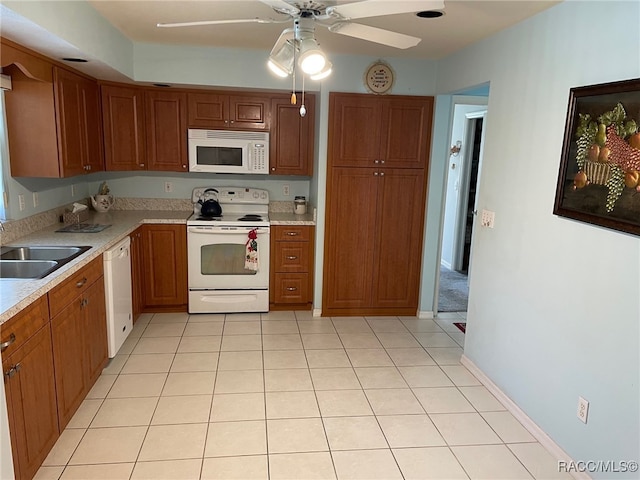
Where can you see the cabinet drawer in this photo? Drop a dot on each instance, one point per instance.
(291, 288)
(291, 257)
(296, 233)
(63, 294)
(19, 328)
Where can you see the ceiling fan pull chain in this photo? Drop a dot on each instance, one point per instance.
(294, 100)
(303, 109)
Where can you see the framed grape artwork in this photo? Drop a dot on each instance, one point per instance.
(599, 178)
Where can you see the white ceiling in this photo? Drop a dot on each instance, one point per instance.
(464, 22)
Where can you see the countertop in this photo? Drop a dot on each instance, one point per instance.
(16, 294)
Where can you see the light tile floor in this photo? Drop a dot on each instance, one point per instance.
(288, 396)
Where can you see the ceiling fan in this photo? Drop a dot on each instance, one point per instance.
(299, 41)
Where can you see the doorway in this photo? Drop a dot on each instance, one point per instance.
(460, 203)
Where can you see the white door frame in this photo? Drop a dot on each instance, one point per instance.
(465, 181)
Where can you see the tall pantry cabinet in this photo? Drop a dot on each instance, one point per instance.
(376, 191)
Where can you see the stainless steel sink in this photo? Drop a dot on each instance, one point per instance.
(41, 253)
(27, 268)
(35, 261)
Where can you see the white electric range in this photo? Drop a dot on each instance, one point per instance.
(225, 275)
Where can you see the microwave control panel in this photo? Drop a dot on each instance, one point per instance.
(259, 157)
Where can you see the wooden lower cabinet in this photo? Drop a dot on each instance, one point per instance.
(164, 259)
(30, 388)
(373, 242)
(79, 333)
(291, 282)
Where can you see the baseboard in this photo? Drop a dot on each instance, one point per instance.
(424, 314)
(317, 312)
(552, 447)
(446, 265)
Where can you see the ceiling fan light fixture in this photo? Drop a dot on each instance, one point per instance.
(312, 62)
(326, 71)
(281, 57)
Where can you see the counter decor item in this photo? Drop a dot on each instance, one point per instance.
(300, 205)
(102, 202)
(599, 178)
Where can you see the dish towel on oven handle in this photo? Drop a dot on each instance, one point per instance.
(251, 257)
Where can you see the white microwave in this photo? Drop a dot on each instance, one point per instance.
(227, 151)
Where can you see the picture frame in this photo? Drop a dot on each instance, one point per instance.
(599, 176)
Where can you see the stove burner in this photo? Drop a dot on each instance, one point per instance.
(209, 219)
(250, 217)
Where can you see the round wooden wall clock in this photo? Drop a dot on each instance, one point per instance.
(379, 78)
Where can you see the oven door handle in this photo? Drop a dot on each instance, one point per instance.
(218, 230)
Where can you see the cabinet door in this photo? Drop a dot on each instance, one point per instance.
(398, 254)
(165, 265)
(354, 130)
(406, 132)
(93, 158)
(123, 123)
(350, 238)
(31, 402)
(67, 329)
(292, 137)
(69, 121)
(95, 317)
(166, 125)
(208, 110)
(136, 273)
(248, 112)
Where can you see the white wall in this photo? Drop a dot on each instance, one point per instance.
(554, 304)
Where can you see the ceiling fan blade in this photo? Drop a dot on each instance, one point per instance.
(374, 34)
(217, 22)
(282, 6)
(377, 8)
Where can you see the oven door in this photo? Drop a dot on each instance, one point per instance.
(216, 258)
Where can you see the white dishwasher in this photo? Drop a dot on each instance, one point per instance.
(117, 286)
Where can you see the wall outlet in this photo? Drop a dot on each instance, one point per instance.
(285, 190)
(21, 203)
(488, 218)
(583, 409)
(36, 200)
(73, 190)
(168, 187)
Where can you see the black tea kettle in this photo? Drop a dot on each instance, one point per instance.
(210, 207)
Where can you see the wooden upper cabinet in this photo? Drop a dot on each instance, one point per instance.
(406, 124)
(62, 107)
(356, 130)
(166, 126)
(292, 137)
(372, 131)
(123, 125)
(221, 111)
(78, 122)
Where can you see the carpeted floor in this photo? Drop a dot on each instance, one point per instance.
(454, 291)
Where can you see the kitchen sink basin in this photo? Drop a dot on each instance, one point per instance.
(35, 261)
(41, 253)
(27, 268)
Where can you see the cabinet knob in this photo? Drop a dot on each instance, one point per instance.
(375, 174)
(232, 121)
(142, 165)
(291, 289)
(382, 174)
(273, 169)
(13, 370)
(376, 161)
(292, 234)
(382, 161)
(292, 257)
(184, 167)
(81, 282)
(5, 345)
